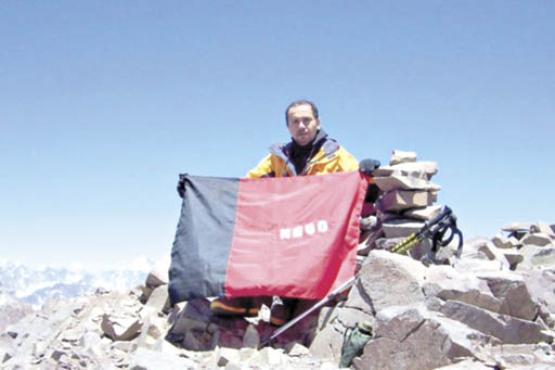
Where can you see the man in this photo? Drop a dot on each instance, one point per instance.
(310, 152)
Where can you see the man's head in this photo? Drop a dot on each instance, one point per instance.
(302, 121)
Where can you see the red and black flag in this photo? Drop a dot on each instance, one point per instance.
(290, 236)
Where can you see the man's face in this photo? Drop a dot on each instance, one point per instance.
(302, 124)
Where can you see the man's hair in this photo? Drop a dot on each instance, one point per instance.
(301, 102)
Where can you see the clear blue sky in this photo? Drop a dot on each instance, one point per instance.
(103, 104)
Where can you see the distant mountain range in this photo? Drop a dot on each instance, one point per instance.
(34, 286)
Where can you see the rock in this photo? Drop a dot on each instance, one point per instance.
(468, 364)
(159, 275)
(505, 243)
(145, 293)
(508, 329)
(421, 169)
(396, 181)
(542, 227)
(513, 293)
(528, 356)
(540, 284)
(401, 228)
(424, 214)
(398, 200)
(517, 226)
(159, 299)
(417, 252)
(251, 339)
(155, 279)
(194, 316)
(514, 258)
(405, 333)
(534, 256)
(378, 273)
(268, 357)
(233, 366)
(247, 353)
(296, 349)
(327, 344)
(399, 156)
(145, 359)
(545, 257)
(387, 243)
(333, 323)
(227, 356)
(477, 266)
(120, 328)
(5, 355)
(343, 317)
(537, 239)
(482, 248)
(449, 284)
(153, 331)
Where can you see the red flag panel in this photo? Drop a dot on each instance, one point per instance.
(295, 237)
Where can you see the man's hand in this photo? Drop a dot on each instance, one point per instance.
(181, 186)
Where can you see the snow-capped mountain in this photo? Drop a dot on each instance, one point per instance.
(34, 286)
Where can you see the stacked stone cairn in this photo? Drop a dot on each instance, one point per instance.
(405, 204)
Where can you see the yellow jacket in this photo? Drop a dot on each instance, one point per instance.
(331, 157)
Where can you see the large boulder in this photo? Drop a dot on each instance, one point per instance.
(508, 329)
(511, 289)
(414, 338)
(449, 284)
(387, 279)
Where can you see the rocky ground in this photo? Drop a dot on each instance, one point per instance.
(483, 310)
(492, 308)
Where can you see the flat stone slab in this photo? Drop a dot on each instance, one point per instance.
(394, 182)
(424, 214)
(401, 228)
(399, 156)
(421, 169)
(398, 200)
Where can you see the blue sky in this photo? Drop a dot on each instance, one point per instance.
(103, 104)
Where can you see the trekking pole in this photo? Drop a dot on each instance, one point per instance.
(442, 229)
(331, 296)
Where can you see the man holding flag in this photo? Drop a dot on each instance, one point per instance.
(278, 232)
(310, 152)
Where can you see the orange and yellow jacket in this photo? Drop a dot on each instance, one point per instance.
(331, 157)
